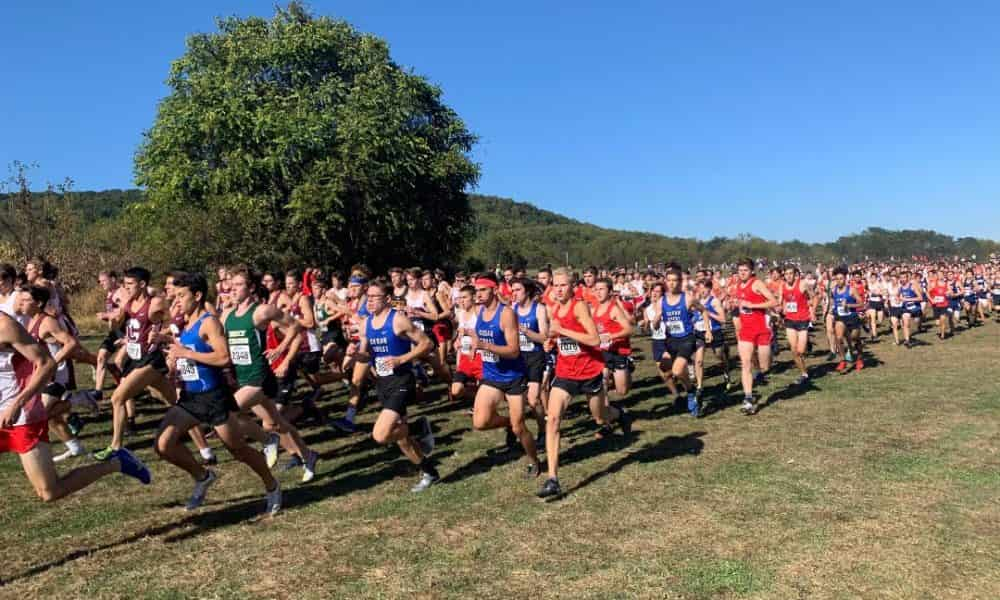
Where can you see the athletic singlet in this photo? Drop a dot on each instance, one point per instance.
(996, 287)
(15, 370)
(981, 286)
(969, 290)
(909, 298)
(751, 317)
(467, 322)
(398, 301)
(418, 304)
(62, 369)
(795, 303)
(841, 298)
(246, 348)
(876, 292)
(195, 376)
(659, 333)
(698, 320)
(576, 361)
(939, 295)
(352, 321)
(320, 315)
(677, 316)
(137, 330)
(894, 299)
(309, 334)
(495, 368)
(607, 327)
(384, 343)
(528, 321)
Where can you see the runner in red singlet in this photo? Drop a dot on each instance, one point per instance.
(753, 302)
(579, 370)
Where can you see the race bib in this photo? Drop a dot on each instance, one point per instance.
(134, 350)
(875, 298)
(699, 326)
(488, 356)
(240, 355)
(791, 307)
(568, 346)
(605, 341)
(745, 311)
(675, 328)
(843, 310)
(466, 344)
(526, 344)
(939, 299)
(383, 368)
(187, 370)
(660, 332)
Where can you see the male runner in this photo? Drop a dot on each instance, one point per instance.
(753, 302)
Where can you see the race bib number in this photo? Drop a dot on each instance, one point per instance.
(875, 298)
(745, 311)
(605, 341)
(383, 368)
(568, 346)
(791, 307)
(526, 344)
(699, 326)
(466, 344)
(660, 332)
(134, 350)
(187, 370)
(843, 310)
(675, 327)
(939, 299)
(240, 355)
(488, 356)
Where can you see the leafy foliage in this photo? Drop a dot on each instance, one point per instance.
(303, 139)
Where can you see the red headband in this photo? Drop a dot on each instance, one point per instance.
(484, 282)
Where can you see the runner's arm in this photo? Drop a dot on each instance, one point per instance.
(13, 334)
(509, 325)
(422, 344)
(211, 332)
(63, 337)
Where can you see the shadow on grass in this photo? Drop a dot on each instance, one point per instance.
(666, 448)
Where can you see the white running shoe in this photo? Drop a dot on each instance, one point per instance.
(309, 468)
(426, 481)
(70, 453)
(273, 500)
(271, 450)
(200, 489)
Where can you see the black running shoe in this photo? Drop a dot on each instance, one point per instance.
(75, 424)
(604, 432)
(550, 489)
(625, 421)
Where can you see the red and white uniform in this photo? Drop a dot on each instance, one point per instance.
(755, 327)
(31, 425)
(795, 304)
(469, 363)
(606, 327)
(576, 361)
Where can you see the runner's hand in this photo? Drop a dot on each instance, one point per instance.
(10, 416)
(177, 351)
(554, 329)
(708, 336)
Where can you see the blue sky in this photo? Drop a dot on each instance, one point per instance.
(776, 118)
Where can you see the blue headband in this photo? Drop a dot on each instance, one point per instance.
(358, 280)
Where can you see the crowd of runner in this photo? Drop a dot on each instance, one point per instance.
(230, 359)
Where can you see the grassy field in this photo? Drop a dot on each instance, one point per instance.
(880, 484)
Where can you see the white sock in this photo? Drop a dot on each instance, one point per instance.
(206, 453)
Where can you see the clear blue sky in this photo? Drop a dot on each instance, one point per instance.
(780, 119)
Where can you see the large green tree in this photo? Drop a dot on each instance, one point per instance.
(303, 138)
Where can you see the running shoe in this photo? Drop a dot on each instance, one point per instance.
(513, 444)
(550, 489)
(842, 367)
(748, 408)
(802, 380)
(343, 425)
(426, 481)
(532, 470)
(200, 489)
(271, 450)
(760, 379)
(309, 469)
(273, 499)
(860, 364)
(85, 399)
(625, 421)
(831, 357)
(211, 460)
(69, 453)
(692, 402)
(104, 455)
(421, 429)
(131, 465)
(294, 462)
(75, 424)
(605, 431)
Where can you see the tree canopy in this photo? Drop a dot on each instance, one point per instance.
(302, 139)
